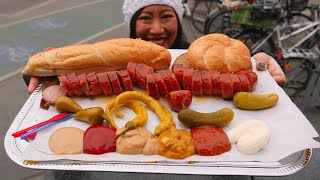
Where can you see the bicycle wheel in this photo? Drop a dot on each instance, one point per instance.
(295, 18)
(297, 72)
(200, 11)
(253, 38)
(220, 22)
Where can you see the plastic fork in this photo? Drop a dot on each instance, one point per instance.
(54, 118)
(24, 136)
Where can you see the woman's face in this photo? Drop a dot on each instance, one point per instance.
(158, 24)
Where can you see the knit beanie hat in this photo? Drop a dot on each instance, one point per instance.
(130, 7)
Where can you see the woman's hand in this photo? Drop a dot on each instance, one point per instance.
(264, 61)
(34, 81)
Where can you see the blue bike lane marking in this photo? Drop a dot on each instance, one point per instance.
(20, 41)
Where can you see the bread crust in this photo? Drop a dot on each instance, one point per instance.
(183, 59)
(219, 52)
(102, 56)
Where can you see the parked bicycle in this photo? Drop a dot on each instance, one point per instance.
(282, 29)
(200, 11)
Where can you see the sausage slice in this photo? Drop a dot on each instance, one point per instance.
(75, 84)
(226, 86)
(245, 84)
(206, 83)
(152, 87)
(115, 83)
(215, 81)
(178, 73)
(95, 88)
(163, 91)
(84, 83)
(105, 83)
(196, 83)
(125, 79)
(187, 78)
(236, 83)
(64, 81)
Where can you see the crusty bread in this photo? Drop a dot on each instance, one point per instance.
(183, 59)
(219, 52)
(102, 56)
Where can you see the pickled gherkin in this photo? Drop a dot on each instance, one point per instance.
(251, 101)
(65, 104)
(93, 115)
(191, 118)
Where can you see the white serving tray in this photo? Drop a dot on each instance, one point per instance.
(15, 147)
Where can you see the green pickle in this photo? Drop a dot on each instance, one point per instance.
(65, 104)
(220, 118)
(251, 101)
(93, 115)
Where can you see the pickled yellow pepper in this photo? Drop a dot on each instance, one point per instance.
(139, 121)
(162, 112)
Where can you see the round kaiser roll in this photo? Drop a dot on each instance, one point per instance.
(219, 52)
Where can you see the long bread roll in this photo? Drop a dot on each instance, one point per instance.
(102, 56)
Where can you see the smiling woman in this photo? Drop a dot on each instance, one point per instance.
(157, 21)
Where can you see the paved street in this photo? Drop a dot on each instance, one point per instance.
(27, 27)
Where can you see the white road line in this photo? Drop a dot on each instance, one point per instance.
(13, 73)
(53, 12)
(100, 33)
(31, 8)
(9, 75)
(4, 15)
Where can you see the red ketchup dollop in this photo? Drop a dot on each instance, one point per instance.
(210, 140)
(99, 139)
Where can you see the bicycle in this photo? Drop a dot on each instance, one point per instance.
(279, 36)
(225, 20)
(218, 20)
(200, 11)
(298, 54)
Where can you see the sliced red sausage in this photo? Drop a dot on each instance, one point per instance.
(52, 93)
(136, 71)
(125, 80)
(64, 81)
(245, 84)
(131, 68)
(84, 83)
(173, 80)
(115, 82)
(197, 83)
(215, 81)
(254, 77)
(248, 77)
(178, 73)
(206, 83)
(187, 78)
(152, 87)
(105, 83)
(179, 100)
(163, 91)
(226, 86)
(166, 79)
(236, 83)
(95, 88)
(141, 75)
(75, 84)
